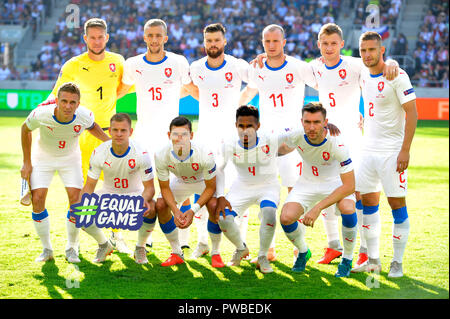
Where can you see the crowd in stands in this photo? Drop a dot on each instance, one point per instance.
(25, 12)
(244, 20)
(432, 46)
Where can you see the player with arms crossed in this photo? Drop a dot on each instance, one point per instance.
(216, 83)
(327, 178)
(385, 155)
(281, 87)
(60, 125)
(159, 76)
(255, 159)
(127, 170)
(195, 173)
(98, 73)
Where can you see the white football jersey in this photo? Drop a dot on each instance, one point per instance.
(340, 92)
(256, 165)
(58, 139)
(322, 162)
(219, 92)
(198, 166)
(122, 174)
(158, 86)
(281, 92)
(384, 116)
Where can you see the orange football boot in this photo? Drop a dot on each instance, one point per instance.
(216, 261)
(329, 255)
(174, 259)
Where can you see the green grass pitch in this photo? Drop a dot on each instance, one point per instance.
(426, 262)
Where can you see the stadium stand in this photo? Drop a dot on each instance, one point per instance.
(426, 61)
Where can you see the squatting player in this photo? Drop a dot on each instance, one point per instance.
(327, 178)
(127, 170)
(60, 125)
(255, 158)
(281, 86)
(385, 155)
(194, 172)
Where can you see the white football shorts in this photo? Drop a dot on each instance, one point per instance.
(378, 171)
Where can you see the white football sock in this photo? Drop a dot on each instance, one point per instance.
(331, 225)
(144, 233)
(201, 222)
(96, 233)
(231, 230)
(400, 233)
(267, 229)
(42, 226)
(73, 235)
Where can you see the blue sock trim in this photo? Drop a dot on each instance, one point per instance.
(369, 210)
(196, 197)
(169, 226)
(68, 214)
(400, 215)
(39, 216)
(213, 228)
(359, 205)
(230, 212)
(185, 208)
(349, 220)
(290, 228)
(149, 220)
(267, 203)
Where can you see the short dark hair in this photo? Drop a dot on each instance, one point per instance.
(180, 121)
(248, 110)
(370, 35)
(214, 27)
(69, 87)
(120, 117)
(314, 107)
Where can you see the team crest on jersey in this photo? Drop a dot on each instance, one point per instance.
(289, 78)
(77, 128)
(380, 86)
(326, 156)
(112, 67)
(342, 74)
(195, 166)
(168, 72)
(229, 76)
(132, 163)
(265, 149)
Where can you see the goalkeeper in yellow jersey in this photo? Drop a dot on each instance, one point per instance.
(98, 74)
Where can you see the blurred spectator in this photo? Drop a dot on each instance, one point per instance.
(431, 52)
(244, 21)
(4, 73)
